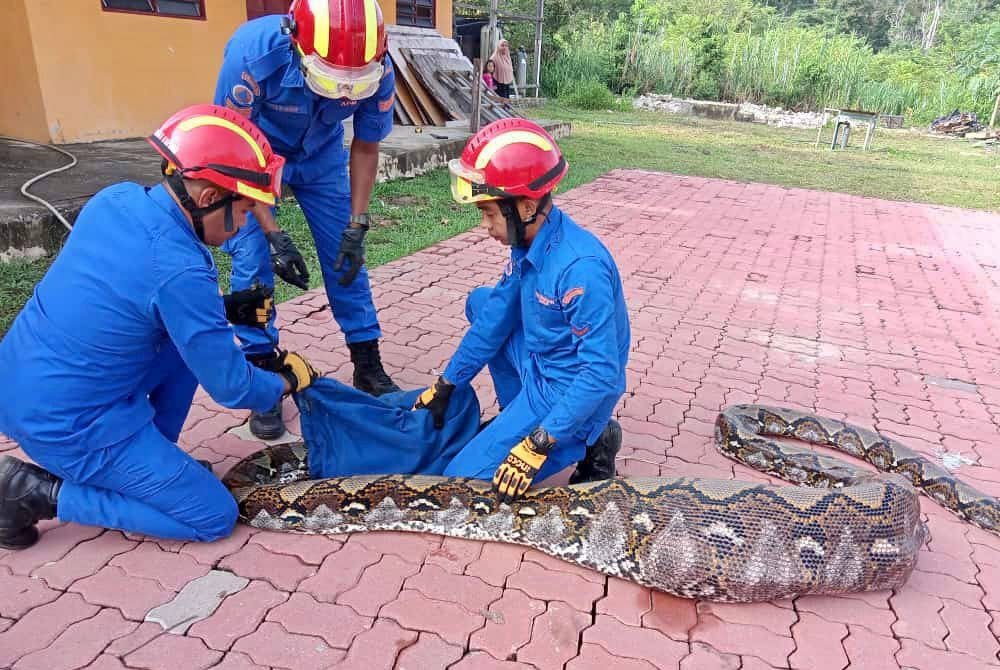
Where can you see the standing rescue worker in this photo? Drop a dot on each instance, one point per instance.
(102, 363)
(298, 77)
(554, 330)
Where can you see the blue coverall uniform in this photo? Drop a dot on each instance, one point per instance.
(261, 79)
(102, 364)
(555, 334)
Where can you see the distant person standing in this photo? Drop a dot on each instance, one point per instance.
(488, 80)
(504, 74)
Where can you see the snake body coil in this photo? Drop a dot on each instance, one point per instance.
(848, 530)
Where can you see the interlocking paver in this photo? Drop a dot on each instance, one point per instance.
(170, 570)
(626, 601)
(545, 584)
(272, 645)
(636, 643)
(340, 571)
(111, 587)
(80, 643)
(595, 657)
(471, 592)
(455, 554)
(255, 562)
(170, 652)
(429, 652)
(482, 661)
(738, 293)
(55, 543)
(452, 622)
(704, 657)
(106, 662)
(379, 584)
(237, 661)
(303, 614)
(83, 560)
(39, 627)
(848, 610)
(508, 625)
(968, 630)
(310, 549)
(378, 647)
(743, 639)
(818, 644)
(19, 594)
(238, 615)
(672, 616)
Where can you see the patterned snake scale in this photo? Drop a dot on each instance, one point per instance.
(845, 529)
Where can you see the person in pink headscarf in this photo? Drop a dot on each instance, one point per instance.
(504, 74)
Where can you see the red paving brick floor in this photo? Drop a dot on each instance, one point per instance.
(883, 313)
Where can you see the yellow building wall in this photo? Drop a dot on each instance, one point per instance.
(442, 18)
(75, 73)
(22, 113)
(111, 75)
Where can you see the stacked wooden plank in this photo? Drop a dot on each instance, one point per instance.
(434, 80)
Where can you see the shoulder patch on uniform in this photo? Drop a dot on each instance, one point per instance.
(544, 300)
(386, 105)
(580, 332)
(242, 95)
(572, 293)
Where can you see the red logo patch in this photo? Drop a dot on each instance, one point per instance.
(386, 105)
(548, 302)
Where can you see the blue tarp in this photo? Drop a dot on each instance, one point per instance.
(349, 432)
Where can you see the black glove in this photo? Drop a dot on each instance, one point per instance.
(435, 400)
(352, 250)
(250, 307)
(296, 370)
(287, 261)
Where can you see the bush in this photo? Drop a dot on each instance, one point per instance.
(737, 50)
(590, 94)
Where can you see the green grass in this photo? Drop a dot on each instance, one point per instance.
(901, 165)
(411, 214)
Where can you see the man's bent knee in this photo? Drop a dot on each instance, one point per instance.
(219, 524)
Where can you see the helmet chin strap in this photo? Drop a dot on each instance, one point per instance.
(176, 183)
(515, 224)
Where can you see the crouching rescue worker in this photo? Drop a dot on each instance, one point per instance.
(554, 330)
(102, 363)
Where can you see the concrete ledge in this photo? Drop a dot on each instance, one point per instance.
(28, 230)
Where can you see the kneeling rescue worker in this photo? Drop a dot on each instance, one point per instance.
(102, 363)
(554, 330)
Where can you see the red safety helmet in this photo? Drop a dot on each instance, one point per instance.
(218, 145)
(341, 43)
(509, 158)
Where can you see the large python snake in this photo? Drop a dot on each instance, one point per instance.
(846, 529)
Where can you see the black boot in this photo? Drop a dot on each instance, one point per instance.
(599, 463)
(28, 494)
(269, 425)
(369, 375)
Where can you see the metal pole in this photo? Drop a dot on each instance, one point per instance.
(477, 95)
(538, 47)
